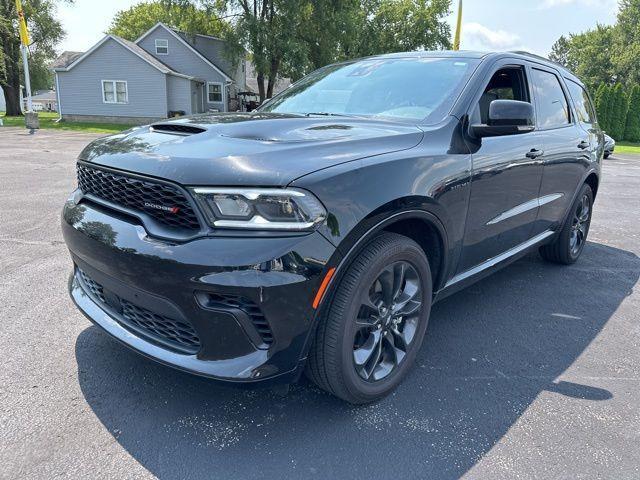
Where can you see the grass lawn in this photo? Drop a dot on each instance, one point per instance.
(627, 147)
(47, 120)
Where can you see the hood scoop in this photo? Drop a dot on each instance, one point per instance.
(177, 129)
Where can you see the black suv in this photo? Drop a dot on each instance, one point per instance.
(314, 234)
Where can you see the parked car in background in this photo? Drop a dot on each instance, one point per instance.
(314, 234)
(609, 145)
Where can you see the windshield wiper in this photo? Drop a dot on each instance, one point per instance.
(327, 114)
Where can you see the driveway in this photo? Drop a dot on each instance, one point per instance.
(531, 373)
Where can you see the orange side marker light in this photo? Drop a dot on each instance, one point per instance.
(323, 287)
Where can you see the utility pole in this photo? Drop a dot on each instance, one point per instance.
(456, 39)
(31, 117)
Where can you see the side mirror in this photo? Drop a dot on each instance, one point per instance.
(506, 117)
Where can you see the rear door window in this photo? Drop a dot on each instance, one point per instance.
(553, 108)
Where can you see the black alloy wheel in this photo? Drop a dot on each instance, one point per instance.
(387, 321)
(572, 238)
(372, 326)
(580, 225)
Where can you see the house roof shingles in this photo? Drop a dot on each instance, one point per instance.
(65, 59)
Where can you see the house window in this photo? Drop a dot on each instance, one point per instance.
(214, 91)
(162, 46)
(114, 91)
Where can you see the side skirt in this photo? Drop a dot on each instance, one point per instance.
(486, 268)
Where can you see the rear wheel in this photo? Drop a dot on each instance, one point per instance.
(568, 246)
(373, 328)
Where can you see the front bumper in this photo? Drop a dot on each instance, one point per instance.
(260, 333)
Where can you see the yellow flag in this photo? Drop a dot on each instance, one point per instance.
(456, 39)
(24, 33)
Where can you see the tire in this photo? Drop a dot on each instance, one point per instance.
(606, 155)
(336, 361)
(563, 250)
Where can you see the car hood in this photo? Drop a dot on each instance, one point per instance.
(247, 149)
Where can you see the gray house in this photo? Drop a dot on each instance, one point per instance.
(163, 73)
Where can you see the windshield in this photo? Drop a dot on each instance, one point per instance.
(415, 89)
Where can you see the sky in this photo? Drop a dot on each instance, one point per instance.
(487, 24)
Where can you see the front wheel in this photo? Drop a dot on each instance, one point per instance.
(568, 246)
(373, 328)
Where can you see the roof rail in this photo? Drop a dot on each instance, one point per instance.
(529, 54)
(540, 57)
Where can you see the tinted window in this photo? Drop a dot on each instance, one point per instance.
(553, 109)
(410, 88)
(581, 100)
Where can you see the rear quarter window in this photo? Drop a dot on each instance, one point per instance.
(582, 102)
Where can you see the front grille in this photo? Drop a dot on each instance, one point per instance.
(165, 203)
(250, 308)
(179, 335)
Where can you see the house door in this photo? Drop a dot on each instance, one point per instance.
(197, 99)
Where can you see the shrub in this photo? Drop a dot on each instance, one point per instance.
(632, 127)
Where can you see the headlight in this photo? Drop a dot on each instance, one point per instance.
(260, 208)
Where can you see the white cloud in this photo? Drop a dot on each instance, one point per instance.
(478, 37)
(590, 3)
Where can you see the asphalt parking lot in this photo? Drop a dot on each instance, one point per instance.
(531, 373)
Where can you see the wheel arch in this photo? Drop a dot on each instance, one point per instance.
(410, 221)
(593, 181)
(422, 224)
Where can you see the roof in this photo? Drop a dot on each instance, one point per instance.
(133, 48)
(188, 44)
(65, 58)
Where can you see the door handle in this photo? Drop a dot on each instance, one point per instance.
(534, 153)
(583, 144)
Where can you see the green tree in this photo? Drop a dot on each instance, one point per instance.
(627, 41)
(184, 15)
(597, 100)
(321, 32)
(589, 55)
(561, 52)
(607, 53)
(401, 25)
(5, 25)
(45, 32)
(293, 37)
(603, 96)
(632, 127)
(618, 115)
(267, 29)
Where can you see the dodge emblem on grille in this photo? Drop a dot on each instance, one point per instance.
(162, 207)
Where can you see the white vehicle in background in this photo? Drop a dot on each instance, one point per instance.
(609, 145)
